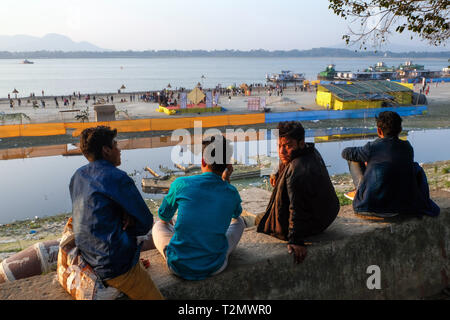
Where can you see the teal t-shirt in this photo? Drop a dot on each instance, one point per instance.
(206, 204)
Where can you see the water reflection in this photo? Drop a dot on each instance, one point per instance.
(34, 181)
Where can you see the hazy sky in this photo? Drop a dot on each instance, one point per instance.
(179, 24)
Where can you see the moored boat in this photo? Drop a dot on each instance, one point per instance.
(380, 71)
(285, 77)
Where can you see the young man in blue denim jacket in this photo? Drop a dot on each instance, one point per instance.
(108, 216)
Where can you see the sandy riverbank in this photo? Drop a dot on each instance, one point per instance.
(438, 115)
(138, 109)
(291, 100)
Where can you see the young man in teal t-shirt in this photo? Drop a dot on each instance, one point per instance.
(208, 225)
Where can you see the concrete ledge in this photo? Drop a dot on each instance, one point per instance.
(413, 256)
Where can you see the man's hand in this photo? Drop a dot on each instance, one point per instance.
(146, 263)
(127, 220)
(298, 251)
(171, 222)
(227, 173)
(273, 180)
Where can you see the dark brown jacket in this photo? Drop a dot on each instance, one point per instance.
(303, 202)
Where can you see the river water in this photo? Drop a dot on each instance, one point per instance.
(39, 186)
(65, 76)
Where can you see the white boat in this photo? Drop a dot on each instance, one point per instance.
(285, 77)
(27, 62)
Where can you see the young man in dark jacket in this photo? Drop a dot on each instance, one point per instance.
(387, 180)
(108, 216)
(303, 202)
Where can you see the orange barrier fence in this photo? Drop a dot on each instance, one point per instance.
(32, 130)
(208, 122)
(32, 152)
(128, 144)
(139, 125)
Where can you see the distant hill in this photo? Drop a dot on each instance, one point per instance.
(312, 53)
(49, 42)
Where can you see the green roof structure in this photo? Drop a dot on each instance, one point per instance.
(365, 90)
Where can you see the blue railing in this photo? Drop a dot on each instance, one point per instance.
(342, 114)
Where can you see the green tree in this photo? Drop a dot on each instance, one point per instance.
(375, 20)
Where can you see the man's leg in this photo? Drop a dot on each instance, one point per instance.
(162, 233)
(357, 170)
(422, 181)
(234, 234)
(137, 284)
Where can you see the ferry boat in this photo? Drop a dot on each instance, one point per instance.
(329, 73)
(380, 67)
(27, 62)
(285, 77)
(380, 71)
(412, 71)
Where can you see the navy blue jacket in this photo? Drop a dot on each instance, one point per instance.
(391, 182)
(101, 194)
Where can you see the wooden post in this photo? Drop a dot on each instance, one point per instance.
(152, 172)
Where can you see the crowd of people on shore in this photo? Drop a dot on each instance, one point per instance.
(199, 221)
(165, 97)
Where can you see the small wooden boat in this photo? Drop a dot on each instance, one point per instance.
(157, 176)
(186, 169)
(150, 185)
(158, 185)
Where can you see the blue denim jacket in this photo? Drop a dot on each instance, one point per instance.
(101, 194)
(393, 182)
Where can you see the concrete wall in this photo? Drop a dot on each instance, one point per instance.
(413, 256)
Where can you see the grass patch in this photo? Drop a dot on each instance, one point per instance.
(28, 223)
(11, 250)
(446, 170)
(153, 205)
(343, 201)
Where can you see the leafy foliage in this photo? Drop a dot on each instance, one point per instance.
(83, 115)
(377, 19)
